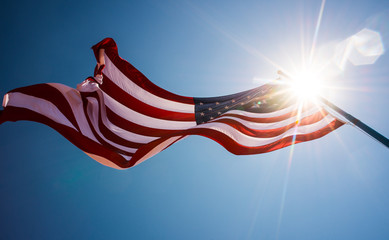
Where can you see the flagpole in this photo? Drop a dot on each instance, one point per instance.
(371, 132)
(368, 130)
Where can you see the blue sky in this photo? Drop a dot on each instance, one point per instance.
(331, 188)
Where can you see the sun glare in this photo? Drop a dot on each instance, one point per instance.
(306, 85)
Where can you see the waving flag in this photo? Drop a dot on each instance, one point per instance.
(120, 118)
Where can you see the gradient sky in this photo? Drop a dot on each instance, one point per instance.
(336, 187)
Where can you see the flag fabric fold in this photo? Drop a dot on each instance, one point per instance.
(122, 119)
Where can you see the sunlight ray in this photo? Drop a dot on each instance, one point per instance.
(316, 31)
(285, 188)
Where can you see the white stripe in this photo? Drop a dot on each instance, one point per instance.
(113, 73)
(129, 136)
(142, 119)
(274, 125)
(126, 113)
(249, 141)
(278, 113)
(38, 105)
(128, 158)
(74, 99)
(92, 111)
(5, 100)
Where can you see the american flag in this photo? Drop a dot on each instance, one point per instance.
(123, 118)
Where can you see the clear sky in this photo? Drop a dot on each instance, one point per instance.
(336, 187)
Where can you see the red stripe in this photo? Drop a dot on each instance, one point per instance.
(283, 117)
(97, 136)
(85, 144)
(2, 117)
(136, 128)
(263, 120)
(53, 95)
(233, 146)
(107, 133)
(149, 147)
(268, 133)
(239, 149)
(129, 101)
(134, 74)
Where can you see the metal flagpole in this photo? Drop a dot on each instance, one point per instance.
(373, 133)
(368, 130)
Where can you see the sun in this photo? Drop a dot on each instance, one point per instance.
(306, 85)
